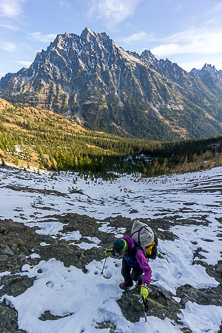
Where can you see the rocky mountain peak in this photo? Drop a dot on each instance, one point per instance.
(209, 66)
(208, 70)
(97, 82)
(88, 36)
(148, 55)
(87, 33)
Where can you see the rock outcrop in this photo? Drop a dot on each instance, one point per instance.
(92, 79)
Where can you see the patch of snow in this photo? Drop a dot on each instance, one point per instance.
(74, 235)
(34, 256)
(202, 318)
(82, 300)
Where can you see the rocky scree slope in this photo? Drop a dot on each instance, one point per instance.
(18, 242)
(91, 78)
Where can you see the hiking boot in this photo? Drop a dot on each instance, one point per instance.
(124, 286)
(139, 284)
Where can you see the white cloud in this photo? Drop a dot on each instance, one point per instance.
(112, 12)
(217, 7)
(24, 63)
(39, 37)
(64, 4)
(8, 26)
(202, 41)
(11, 8)
(7, 46)
(139, 36)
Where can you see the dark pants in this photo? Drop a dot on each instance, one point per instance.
(129, 277)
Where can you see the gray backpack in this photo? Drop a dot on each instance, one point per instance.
(144, 237)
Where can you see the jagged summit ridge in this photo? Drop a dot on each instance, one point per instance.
(104, 87)
(207, 69)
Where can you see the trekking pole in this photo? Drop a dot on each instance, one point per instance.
(145, 302)
(104, 265)
(145, 309)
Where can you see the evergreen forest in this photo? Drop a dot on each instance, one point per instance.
(32, 138)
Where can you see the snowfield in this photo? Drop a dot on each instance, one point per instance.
(84, 299)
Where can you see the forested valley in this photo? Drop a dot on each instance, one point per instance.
(36, 138)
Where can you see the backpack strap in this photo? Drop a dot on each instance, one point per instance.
(136, 248)
(154, 249)
(155, 239)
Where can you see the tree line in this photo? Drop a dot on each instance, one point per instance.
(57, 146)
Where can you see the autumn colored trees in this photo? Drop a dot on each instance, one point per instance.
(55, 144)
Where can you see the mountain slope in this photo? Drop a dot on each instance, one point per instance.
(103, 87)
(212, 79)
(52, 253)
(40, 139)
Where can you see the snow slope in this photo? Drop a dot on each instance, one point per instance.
(86, 299)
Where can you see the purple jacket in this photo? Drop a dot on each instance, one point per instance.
(141, 259)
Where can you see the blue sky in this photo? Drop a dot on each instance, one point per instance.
(188, 32)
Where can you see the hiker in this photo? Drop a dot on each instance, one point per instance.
(135, 260)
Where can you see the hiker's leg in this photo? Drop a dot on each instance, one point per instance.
(126, 273)
(137, 274)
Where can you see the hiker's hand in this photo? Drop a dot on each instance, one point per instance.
(108, 252)
(144, 292)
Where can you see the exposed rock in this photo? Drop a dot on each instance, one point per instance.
(160, 304)
(18, 242)
(8, 319)
(48, 316)
(200, 296)
(16, 285)
(105, 87)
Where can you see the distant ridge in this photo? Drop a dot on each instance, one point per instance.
(103, 87)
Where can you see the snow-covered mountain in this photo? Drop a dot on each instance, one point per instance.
(55, 227)
(104, 87)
